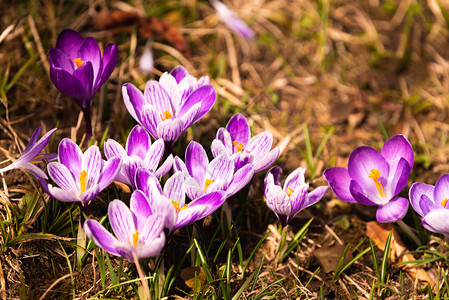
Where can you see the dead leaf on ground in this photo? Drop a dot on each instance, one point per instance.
(378, 232)
(118, 21)
(194, 278)
(329, 256)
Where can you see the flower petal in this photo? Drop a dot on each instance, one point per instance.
(133, 98)
(157, 96)
(205, 94)
(267, 160)
(339, 180)
(393, 211)
(169, 130)
(241, 178)
(138, 142)
(109, 61)
(140, 206)
(437, 221)
(417, 190)
(69, 41)
(238, 129)
(360, 165)
(361, 196)
(109, 172)
(395, 148)
(92, 165)
(154, 155)
(63, 195)
(179, 73)
(315, 196)
(196, 161)
(101, 237)
(295, 179)
(165, 167)
(62, 177)
(122, 221)
(225, 137)
(441, 191)
(90, 52)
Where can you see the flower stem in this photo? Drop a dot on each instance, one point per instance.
(88, 122)
(409, 232)
(143, 281)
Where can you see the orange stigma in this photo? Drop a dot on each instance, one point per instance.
(37, 159)
(289, 192)
(443, 203)
(375, 175)
(78, 62)
(135, 238)
(83, 181)
(166, 115)
(208, 182)
(238, 145)
(176, 205)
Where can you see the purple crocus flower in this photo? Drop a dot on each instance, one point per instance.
(133, 236)
(231, 20)
(80, 177)
(172, 200)
(288, 201)
(139, 153)
(430, 202)
(235, 140)
(217, 175)
(30, 156)
(77, 68)
(374, 178)
(171, 105)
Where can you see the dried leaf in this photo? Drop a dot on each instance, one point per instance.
(378, 232)
(190, 275)
(329, 256)
(122, 21)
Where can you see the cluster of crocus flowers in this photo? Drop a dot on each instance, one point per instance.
(288, 201)
(78, 69)
(31, 155)
(374, 178)
(171, 105)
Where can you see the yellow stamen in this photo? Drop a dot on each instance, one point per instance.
(135, 238)
(238, 145)
(208, 182)
(83, 181)
(289, 192)
(176, 205)
(375, 175)
(443, 203)
(37, 159)
(78, 62)
(166, 115)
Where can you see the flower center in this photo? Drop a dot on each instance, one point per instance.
(83, 181)
(443, 203)
(166, 115)
(239, 146)
(37, 159)
(289, 192)
(176, 205)
(375, 176)
(135, 238)
(208, 182)
(78, 62)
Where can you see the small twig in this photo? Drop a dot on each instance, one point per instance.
(55, 283)
(40, 48)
